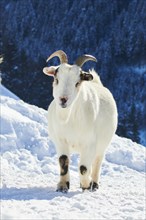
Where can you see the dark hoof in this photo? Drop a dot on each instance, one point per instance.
(63, 190)
(63, 187)
(93, 187)
(87, 188)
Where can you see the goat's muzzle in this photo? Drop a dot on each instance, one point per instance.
(63, 102)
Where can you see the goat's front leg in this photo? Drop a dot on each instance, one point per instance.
(85, 179)
(63, 184)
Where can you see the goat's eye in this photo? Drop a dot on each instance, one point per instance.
(77, 84)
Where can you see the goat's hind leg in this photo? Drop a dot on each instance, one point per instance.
(85, 169)
(96, 169)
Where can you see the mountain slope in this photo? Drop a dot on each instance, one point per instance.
(29, 173)
(113, 31)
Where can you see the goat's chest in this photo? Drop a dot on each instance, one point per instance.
(73, 134)
(73, 128)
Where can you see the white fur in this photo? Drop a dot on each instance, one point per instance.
(88, 122)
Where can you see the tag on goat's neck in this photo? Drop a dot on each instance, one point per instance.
(86, 76)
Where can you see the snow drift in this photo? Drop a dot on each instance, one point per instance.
(30, 172)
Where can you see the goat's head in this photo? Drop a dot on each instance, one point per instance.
(67, 78)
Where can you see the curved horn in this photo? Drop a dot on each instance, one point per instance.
(82, 59)
(60, 54)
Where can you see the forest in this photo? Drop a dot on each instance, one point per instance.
(113, 31)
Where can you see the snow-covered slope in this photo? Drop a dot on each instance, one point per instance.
(29, 173)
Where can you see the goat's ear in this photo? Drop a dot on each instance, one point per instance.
(86, 76)
(50, 71)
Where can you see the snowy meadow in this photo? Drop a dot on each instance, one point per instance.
(30, 172)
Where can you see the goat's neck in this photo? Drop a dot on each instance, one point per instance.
(63, 113)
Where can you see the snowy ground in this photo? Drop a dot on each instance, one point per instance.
(29, 173)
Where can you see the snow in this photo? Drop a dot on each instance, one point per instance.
(30, 172)
(141, 70)
(5, 92)
(143, 136)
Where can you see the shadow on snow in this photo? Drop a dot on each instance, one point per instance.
(36, 193)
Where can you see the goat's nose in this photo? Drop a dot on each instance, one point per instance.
(63, 100)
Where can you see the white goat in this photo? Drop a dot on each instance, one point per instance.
(82, 118)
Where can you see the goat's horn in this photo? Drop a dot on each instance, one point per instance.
(82, 59)
(61, 54)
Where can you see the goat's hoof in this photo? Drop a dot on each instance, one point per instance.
(85, 188)
(63, 187)
(93, 187)
(63, 190)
